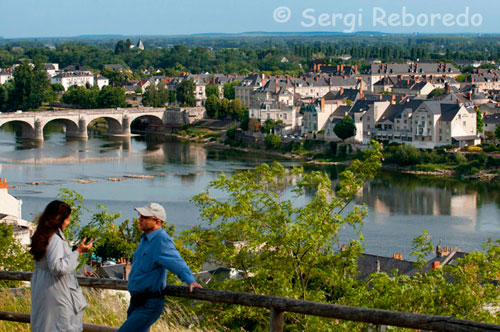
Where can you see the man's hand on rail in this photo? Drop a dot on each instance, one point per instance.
(194, 285)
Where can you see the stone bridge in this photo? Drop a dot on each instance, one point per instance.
(76, 120)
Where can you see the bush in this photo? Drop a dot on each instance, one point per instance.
(272, 141)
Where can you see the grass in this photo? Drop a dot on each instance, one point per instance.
(105, 307)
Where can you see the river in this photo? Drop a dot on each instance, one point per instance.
(456, 214)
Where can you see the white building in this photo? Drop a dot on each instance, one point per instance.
(5, 75)
(72, 78)
(10, 213)
(272, 110)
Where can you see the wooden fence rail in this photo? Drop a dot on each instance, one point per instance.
(279, 305)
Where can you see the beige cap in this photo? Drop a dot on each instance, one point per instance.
(153, 210)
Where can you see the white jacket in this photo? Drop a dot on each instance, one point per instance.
(57, 302)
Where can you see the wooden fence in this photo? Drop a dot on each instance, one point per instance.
(279, 306)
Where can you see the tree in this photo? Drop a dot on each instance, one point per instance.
(13, 255)
(155, 96)
(497, 131)
(479, 121)
(229, 90)
(80, 96)
(30, 87)
(272, 141)
(212, 89)
(345, 128)
(257, 228)
(212, 106)
(111, 97)
(235, 109)
(185, 92)
(223, 110)
(116, 77)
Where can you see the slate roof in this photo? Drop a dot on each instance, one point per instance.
(361, 106)
(349, 94)
(492, 118)
(449, 111)
(368, 264)
(386, 81)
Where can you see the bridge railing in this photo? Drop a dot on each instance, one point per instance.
(279, 306)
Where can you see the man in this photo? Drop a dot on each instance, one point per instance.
(155, 255)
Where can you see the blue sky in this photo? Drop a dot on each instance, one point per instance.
(44, 18)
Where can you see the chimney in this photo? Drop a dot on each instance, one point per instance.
(341, 92)
(338, 68)
(264, 80)
(315, 67)
(4, 184)
(469, 95)
(319, 67)
(436, 265)
(355, 69)
(277, 89)
(361, 93)
(322, 104)
(378, 265)
(380, 97)
(438, 251)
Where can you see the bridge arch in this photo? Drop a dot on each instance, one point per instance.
(22, 128)
(71, 127)
(114, 125)
(138, 124)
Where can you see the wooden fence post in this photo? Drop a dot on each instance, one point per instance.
(276, 320)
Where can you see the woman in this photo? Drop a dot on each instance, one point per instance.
(57, 302)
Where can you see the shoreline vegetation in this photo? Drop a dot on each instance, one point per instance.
(469, 163)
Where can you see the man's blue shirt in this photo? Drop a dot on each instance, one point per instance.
(155, 255)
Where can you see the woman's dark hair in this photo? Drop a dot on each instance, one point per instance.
(49, 222)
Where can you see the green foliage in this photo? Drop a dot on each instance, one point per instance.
(75, 201)
(116, 77)
(345, 128)
(270, 125)
(108, 97)
(81, 96)
(497, 131)
(256, 229)
(422, 248)
(479, 121)
(212, 90)
(111, 97)
(13, 255)
(184, 92)
(437, 92)
(30, 87)
(116, 241)
(272, 142)
(155, 96)
(57, 87)
(212, 106)
(229, 89)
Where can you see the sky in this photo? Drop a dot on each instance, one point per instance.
(66, 18)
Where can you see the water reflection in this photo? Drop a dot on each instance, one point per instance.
(464, 214)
